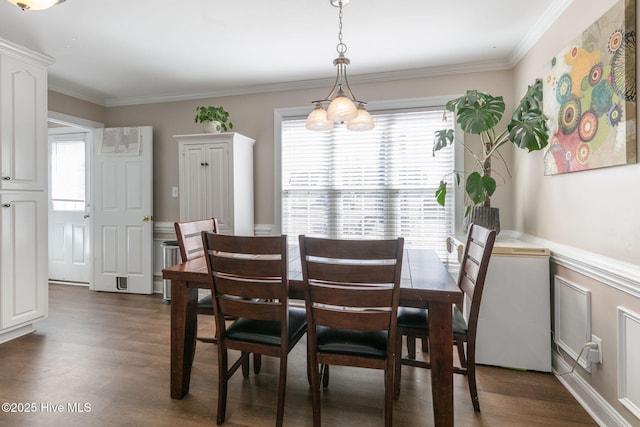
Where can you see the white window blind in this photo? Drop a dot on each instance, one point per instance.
(375, 184)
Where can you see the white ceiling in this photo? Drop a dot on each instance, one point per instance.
(118, 52)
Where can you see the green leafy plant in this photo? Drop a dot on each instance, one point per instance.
(479, 113)
(213, 114)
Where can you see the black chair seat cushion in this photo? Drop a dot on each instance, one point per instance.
(459, 324)
(351, 342)
(410, 317)
(416, 318)
(205, 304)
(267, 331)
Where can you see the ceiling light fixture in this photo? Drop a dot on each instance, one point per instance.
(343, 105)
(35, 4)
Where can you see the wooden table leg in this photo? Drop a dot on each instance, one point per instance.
(440, 339)
(183, 336)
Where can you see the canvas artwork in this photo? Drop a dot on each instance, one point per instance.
(590, 96)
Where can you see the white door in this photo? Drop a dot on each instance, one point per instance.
(69, 220)
(122, 210)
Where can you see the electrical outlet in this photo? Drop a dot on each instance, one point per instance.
(174, 191)
(596, 353)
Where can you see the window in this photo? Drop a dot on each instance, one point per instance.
(68, 175)
(376, 184)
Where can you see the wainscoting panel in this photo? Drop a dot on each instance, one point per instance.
(628, 368)
(572, 319)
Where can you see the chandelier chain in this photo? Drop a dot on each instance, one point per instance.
(341, 47)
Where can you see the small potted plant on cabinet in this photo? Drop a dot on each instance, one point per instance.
(214, 119)
(479, 113)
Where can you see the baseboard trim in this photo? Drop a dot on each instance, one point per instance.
(16, 333)
(599, 409)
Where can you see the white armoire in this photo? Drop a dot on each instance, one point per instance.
(23, 190)
(216, 180)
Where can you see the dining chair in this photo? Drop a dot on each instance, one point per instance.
(413, 322)
(351, 290)
(189, 236)
(248, 278)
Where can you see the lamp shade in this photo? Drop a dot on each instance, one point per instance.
(341, 109)
(317, 120)
(364, 121)
(35, 4)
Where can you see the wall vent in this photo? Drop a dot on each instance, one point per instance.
(572, 319)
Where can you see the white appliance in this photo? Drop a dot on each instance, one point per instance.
(514, 326)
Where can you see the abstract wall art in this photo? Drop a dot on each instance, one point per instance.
(590, 96)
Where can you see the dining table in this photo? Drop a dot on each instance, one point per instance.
(425, 283)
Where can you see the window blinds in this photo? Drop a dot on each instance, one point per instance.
(375, 184)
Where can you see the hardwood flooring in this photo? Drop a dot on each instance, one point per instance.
(108, 354)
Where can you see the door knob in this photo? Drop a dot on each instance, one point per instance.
(6, 178)
(86, 216)
(146, 218)
(6, 205)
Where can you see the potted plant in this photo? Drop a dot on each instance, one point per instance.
(478, 113)
(214, 119)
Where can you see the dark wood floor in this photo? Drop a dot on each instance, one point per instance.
(111, 351)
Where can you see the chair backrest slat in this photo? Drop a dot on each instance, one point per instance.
(345, 295)
(239, 266)
(369, 320)
(250, 308)
(346, 273)
(246, 288)
(350, 249)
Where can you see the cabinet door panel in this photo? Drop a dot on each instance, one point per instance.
(24, 110)
(192, 197)
(217, 178)
(23, 263)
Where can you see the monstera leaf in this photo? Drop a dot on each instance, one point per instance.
(478, 187)
(476, 111)
(528, 127)
(443, 138)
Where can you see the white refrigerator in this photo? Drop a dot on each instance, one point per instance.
(514, 326)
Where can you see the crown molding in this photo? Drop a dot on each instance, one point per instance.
(23, 52)
(538, 29)
(316, 83)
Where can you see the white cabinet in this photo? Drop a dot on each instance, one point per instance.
(23, 265)
(514, 325)
(23, 190)
(23, 116)
(216, 180)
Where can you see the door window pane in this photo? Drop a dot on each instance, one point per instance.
(68, 175)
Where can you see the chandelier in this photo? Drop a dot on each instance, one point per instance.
(342, 104)
(35, 4)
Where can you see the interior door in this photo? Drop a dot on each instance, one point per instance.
(69, 220)
(122, 210)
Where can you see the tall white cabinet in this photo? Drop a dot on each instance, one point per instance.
(216, 180)
(23, 190)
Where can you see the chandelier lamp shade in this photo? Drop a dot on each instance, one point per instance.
(35, 4)
(341, 105)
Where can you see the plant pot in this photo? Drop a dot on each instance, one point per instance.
(211, 127)
(487, 217)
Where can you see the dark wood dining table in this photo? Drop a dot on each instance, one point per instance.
(425, 283)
